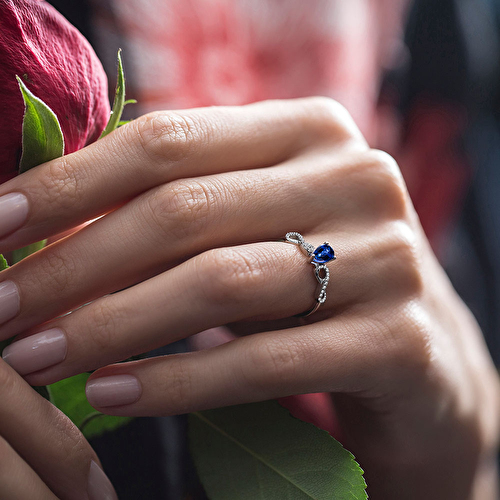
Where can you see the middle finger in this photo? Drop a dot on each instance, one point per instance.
(158, 148)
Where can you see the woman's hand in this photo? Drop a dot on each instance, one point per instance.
(193, 203)
(43, 456)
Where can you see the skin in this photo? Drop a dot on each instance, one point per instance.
(194, 204)
(42, 454)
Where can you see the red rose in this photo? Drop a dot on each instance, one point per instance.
(59, 66)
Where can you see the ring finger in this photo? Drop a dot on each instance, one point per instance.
(169, 224)
(257, 281)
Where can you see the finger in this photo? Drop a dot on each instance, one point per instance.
(171, 223)
(342, 355)
(47, 440)
(259, 281)
(159, 148)
(18, 481)
(215, 288)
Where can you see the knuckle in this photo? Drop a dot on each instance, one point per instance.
(274, 360)
(103, 323)
(181, 208)
(330, 118)
(56, 271)
(178, 387)
(405, 260)
(407, 341)
(326, 108)
(231, 275)
(60, 183)
(413, 349)
(168, 135)
(383, 179)
(387, 166)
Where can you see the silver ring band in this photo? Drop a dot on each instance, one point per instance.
(319, 257)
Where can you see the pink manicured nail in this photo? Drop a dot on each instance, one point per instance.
(14, 209)
(9, 301)
(36, 352)
(115, 390)
(100, 487)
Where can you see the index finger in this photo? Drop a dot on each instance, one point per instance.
(158, 148)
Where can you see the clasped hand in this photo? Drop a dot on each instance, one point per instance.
(190, 207)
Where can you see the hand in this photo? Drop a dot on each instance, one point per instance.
(43, 455)
(193, 203)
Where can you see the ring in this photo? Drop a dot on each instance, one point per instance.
(319, 257)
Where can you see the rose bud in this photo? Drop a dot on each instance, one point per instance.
(58, 66)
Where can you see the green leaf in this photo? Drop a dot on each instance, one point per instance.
(119, 101)
(69, 396)
(22, 253)
(42, 141)
(42, 135)
(260, 452)
(3, 263)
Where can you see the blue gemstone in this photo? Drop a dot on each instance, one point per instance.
(323, 254)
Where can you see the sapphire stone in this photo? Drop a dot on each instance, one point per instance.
(323, 254)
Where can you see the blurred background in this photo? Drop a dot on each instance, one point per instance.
(422, 80)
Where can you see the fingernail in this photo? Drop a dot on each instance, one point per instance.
(36, 352)
(9, 301)
(13, 212)
(115, 390)
(100, 487)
